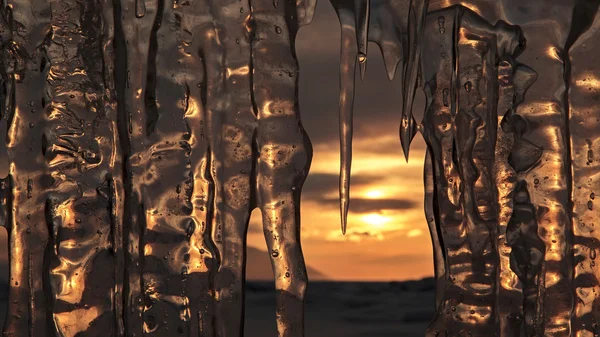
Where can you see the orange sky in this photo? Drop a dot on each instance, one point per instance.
(381, 244)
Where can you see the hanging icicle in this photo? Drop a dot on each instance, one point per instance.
(416, 21)
(354, 20)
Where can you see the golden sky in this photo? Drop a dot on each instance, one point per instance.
(387, 237)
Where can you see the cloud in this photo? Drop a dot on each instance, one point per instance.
(363, 205)
(354, 236)
(414, 233)
(393, 259)
(318, 184)
(319, 188)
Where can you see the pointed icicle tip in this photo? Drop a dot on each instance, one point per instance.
(362, 61)
(405, 149)
(405, 142)
(345, 186)
(344, 212)
(387, 34)
(417, 13)
(391, 67)
(408, 130)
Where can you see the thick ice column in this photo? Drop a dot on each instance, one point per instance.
(24, 32)
(80, 143)
(170, 254)
(460, 62)
(284, 156)
(135, 29)
(231, 125)
(583, 86)
(542, 126)
(439, 258)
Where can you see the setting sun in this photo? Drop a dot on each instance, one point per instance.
(374, 194)
(376, 220)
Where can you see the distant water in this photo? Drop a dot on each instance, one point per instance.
(349, 309)
(340, 309)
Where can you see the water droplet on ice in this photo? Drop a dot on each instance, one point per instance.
(468, 86)
(140, 8)
(362, 57)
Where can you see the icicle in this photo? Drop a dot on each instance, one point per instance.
(439, 260)
(527, 254)
(349, 49)
(137, 115)
(387, 27)
(231, 127)
(178, 252)
(198, 254)
(416, 19)
(81, 146)
(584, 142)
(114, 180)
(460, 128)
(510, 294)
(227, 304)
(354, 19)
(140, 8)
(24, 35)
(362, 8)
(284, 156)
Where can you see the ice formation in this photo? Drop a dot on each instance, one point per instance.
(142, 133)
(510, 171)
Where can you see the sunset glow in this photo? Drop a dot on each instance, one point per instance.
(387, 236)
(375, 220)
(374, 194)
